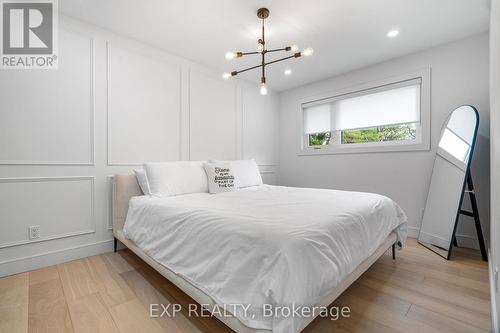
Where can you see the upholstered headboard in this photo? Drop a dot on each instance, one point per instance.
(124, 188)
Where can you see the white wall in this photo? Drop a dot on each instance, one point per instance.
(495, 158)
(112, 104)
(459, 76)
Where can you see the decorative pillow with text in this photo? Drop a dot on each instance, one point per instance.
(220, 177)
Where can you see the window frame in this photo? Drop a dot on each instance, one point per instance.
(421, 143)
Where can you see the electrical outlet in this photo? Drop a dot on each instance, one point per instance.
(34, 232)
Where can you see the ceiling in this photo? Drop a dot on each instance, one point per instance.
(345, 34)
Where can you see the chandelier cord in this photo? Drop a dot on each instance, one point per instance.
(263, 78)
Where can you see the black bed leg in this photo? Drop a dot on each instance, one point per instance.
(394, 251)
(115, 244)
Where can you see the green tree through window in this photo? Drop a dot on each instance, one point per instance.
(319, 139)
(380, 134)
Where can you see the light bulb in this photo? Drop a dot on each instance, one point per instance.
(226, 76)
(288, 71)
(294, 48)
(307, 52)
(263, 89)
(230, 55)
(392, 33)
(260, 47)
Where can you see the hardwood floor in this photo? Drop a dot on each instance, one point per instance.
(418, 292)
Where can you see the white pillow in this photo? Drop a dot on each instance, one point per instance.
(246, 172)
(175, 178)
(142, 179)
(220, 177)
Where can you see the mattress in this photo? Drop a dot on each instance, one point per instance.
(264, 247)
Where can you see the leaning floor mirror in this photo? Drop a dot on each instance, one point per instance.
(451, 181)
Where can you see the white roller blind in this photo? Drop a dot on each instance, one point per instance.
(317, 118)
(388, 107)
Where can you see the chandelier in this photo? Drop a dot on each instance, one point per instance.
(263, 13)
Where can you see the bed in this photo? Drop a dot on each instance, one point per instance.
(261, 245)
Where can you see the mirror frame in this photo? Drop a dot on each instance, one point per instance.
(467, 171)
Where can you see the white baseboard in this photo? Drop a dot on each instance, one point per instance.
(467, 241)
(29, 263)
(463, 240)
(413, 232)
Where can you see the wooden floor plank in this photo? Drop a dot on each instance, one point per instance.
(14, 303)
(117, 263)
(443, 323)
(431, 261)
(379, 298)
(358, 323)
(443, 292)
(211, 323)
(90, 315)
(48, 311)
(43, 275)
(461, 257)
(148, 294)
(443, 307)
(400, 267)
(133, 317)
(132, 259)
(380, 272)
(466, 292)
(113, 289)
(76, 279)
(382, 315)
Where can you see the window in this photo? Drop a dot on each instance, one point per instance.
(385, 117)
(401, 132)
(317, 124)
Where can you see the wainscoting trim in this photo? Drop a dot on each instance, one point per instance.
(91, 161)
(55, 179)
(135, 163)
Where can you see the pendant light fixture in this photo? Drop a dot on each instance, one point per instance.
(263, 14)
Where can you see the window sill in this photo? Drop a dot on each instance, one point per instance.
(364, 148)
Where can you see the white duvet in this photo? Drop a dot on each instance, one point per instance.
(264, 244)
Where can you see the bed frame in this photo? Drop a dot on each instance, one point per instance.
(126, 186)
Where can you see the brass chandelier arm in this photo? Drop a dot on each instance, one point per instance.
(248, 53)
(233, 73)
(296, 55)
(288, 48)
(240, 54)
